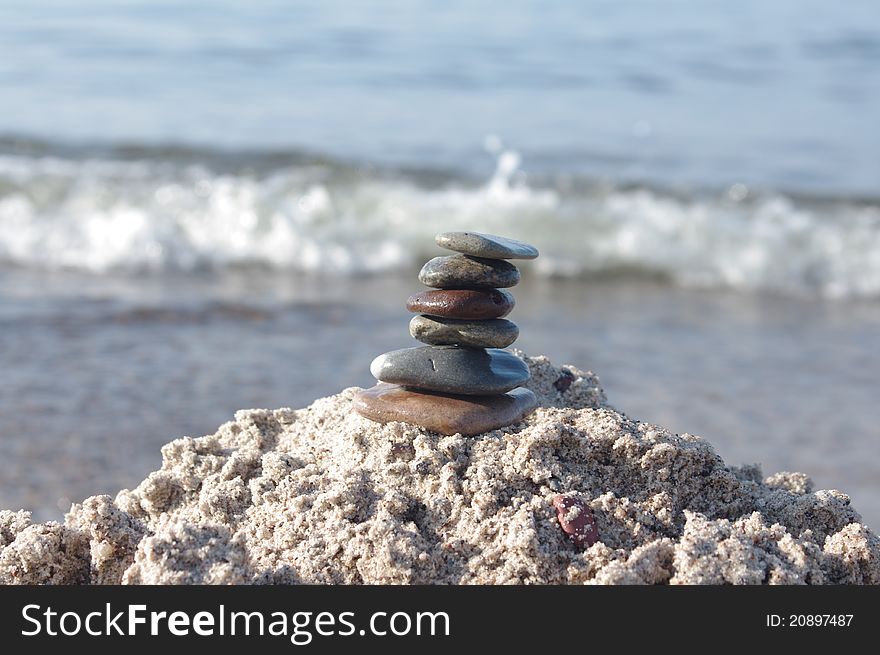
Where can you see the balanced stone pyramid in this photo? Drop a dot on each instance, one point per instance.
(462, 382)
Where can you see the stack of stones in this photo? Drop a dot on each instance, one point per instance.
(462, 382)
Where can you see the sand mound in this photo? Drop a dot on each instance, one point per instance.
(322, 495)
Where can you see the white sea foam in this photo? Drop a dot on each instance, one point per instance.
(105, 215)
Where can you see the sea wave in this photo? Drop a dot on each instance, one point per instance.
(155, 212)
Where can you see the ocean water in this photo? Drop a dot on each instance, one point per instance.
(194, 211)
(210, 206)
(781, 95)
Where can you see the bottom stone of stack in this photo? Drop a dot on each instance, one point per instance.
(444, 413)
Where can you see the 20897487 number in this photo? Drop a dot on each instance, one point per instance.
(809, 620)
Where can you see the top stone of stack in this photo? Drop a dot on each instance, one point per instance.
(488, 246)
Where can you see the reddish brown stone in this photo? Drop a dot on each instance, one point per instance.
(444, 413)
(465, 304)
(577, 520)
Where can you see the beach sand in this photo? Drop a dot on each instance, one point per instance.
(322, 495)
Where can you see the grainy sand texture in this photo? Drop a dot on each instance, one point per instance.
(323, 495)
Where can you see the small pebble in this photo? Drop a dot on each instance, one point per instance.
(489, 246)
(577, 520)
(494, 333)
(465, 272)
(464, 304)
(563, 382)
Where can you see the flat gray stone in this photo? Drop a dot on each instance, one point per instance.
(495, 333)
(466, 272)
(451, 369)
(489, 246)
(444, 413)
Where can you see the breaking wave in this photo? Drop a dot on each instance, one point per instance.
(155, 210)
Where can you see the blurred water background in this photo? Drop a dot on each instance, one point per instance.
(206, 206)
